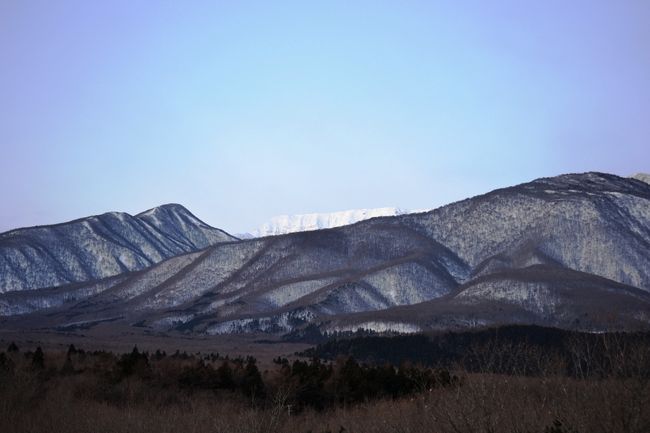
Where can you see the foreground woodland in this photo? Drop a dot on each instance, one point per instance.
(500, 382)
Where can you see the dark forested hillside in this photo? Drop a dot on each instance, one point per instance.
(528, 350)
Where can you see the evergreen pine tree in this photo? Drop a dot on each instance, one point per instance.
(38, 359)
(252, 383)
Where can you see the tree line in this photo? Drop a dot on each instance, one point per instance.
(296, 384)
(517, 350)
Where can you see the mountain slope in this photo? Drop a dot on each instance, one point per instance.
(99, 246)
(572, 250)
(538, 294)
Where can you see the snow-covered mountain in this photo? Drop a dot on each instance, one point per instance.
(568, 251)
(99, 246)
(284, 224)
(643, 177)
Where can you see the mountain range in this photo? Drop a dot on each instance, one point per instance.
(571, 251)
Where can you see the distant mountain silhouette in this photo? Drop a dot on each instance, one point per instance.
(284, 224)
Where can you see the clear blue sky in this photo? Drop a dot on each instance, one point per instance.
(244, 110)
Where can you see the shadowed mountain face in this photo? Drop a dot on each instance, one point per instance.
(569, 251)
(99, 246)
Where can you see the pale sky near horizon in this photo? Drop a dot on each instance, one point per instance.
(244, 110)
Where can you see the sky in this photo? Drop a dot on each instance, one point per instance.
(244, 110)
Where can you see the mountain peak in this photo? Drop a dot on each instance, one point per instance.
(100, 246)
(168, 208)
(175, 220)
(170, 214)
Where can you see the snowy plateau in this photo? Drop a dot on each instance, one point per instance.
(284, 224)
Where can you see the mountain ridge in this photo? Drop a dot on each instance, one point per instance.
(99, 246)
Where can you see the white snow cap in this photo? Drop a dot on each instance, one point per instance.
(315, 221)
